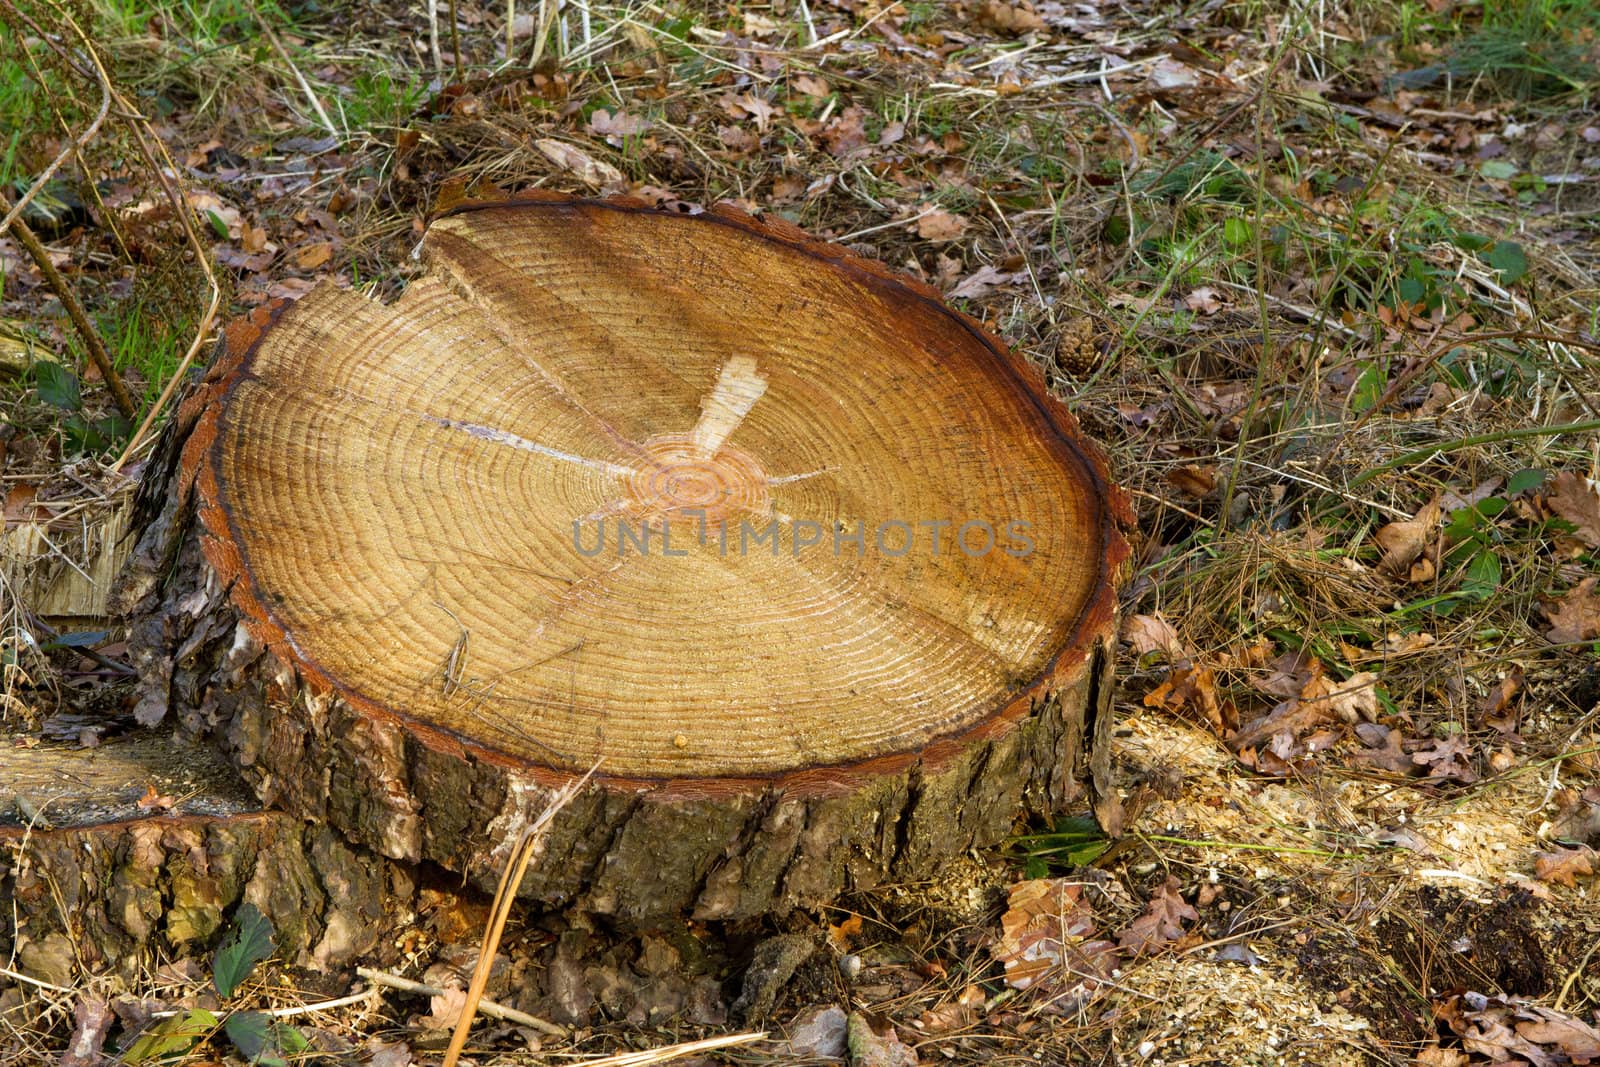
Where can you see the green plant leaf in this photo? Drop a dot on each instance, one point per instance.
(1483, 577)
(1509, 259)
(263, 1040)
(1524, 480)
(171, 1037)
(57, 386)
(249, 943)
(1500, 169)
(220, 227)
(1368, 389)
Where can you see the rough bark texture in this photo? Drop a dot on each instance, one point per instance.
(212, 656)
(117, 896)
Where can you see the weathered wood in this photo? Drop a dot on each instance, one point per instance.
(93, 882)
(358, 573)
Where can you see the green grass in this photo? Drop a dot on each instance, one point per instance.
(377, 100)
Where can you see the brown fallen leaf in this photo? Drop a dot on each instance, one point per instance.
(1162, 921)
(981, 282)
(1576, 616)
(846, 132)
(807, 85)
(1047, 928)
(1577, 817)
(445, 1008)
(1579, 1041)
(1017, 18)
(617, 124)
(1193, 481)
(840, 936)
(1577, 499)
(312, 256)
(1435, 1056)
(152, 800)
(581, 165)
(1353, 700)
(1152, 633)
(1187, 686)
(1205, 301)
(1447, 759)
(1564, 866)
(1386, 748)
(1288, 675)
(1403, 543)
(938, 224)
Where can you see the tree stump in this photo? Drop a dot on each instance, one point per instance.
(818, 574)
(142, 846)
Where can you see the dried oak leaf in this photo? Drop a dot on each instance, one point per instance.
(1205, 301)
(1152, 633)
(983, 281)
(1353, 700)
(1015, 18)
(1564, 865)
(615, 125)
(1435, 1056)
(1577, 499)
(1387, 748)
(1576, 616)
(846, 132)
(1288, 675)
(871, 1046)
(939, 225)
(1576, 1038)
(1193, 481)
(1162, 921)
(1578, 816)
(581, 164)
(1188, 686)
(1403, 543)
(1484, 1026)
(1447, 759)
(1047, 932)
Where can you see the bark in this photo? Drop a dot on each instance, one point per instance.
(119, 896)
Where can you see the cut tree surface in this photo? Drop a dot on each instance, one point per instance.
(814, 569)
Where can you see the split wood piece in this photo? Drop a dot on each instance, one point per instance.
(399, 621)
(93, 883)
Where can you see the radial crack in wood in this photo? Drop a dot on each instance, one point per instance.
(818, 570)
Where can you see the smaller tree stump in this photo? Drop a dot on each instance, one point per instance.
(661, 491)
(143, 846)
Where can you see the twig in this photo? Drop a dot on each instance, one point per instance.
(27, 980)
(485, 1007)
(433, 35)
(455, 38)
(672, 1052)
(299, 1009)
(305, 86)
(72, 148)
(548, 9)
(80, 321)
(1432, 451)
(528, 844)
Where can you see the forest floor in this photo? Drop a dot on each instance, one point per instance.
(1321, 277)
